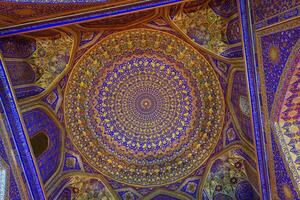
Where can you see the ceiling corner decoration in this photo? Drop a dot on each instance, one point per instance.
(229, 177)
(218, 30)
(85, 187)
(207, 31)
(37, 63)
(144, 108)
(51, 58)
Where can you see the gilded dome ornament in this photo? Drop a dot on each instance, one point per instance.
(144, 108)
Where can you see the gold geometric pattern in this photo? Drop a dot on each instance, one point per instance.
(144, 108)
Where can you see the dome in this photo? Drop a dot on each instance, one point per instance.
(144, 108)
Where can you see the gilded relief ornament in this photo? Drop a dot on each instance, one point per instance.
(144, 108)
(208, 32)
(50, 58)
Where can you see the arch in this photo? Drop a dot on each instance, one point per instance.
(202, 193)
(39, 118)
(70, 179)
(239, 105)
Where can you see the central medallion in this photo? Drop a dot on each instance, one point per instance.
(145, 103)
(144, 108)
(143, 99)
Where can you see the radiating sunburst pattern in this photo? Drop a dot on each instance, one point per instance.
(144, 107)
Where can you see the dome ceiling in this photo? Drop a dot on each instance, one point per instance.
(144, 108)
(149, 99)
(139, 101)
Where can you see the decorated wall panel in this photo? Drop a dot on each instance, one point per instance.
(38, 120)
(286, 117)
(278, 60)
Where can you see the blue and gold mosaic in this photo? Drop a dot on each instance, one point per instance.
(144, 108)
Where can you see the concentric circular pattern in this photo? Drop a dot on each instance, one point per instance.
(144, 108)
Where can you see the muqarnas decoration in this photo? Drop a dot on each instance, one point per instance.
(228, 178)
(215, 31)
(38, 61)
